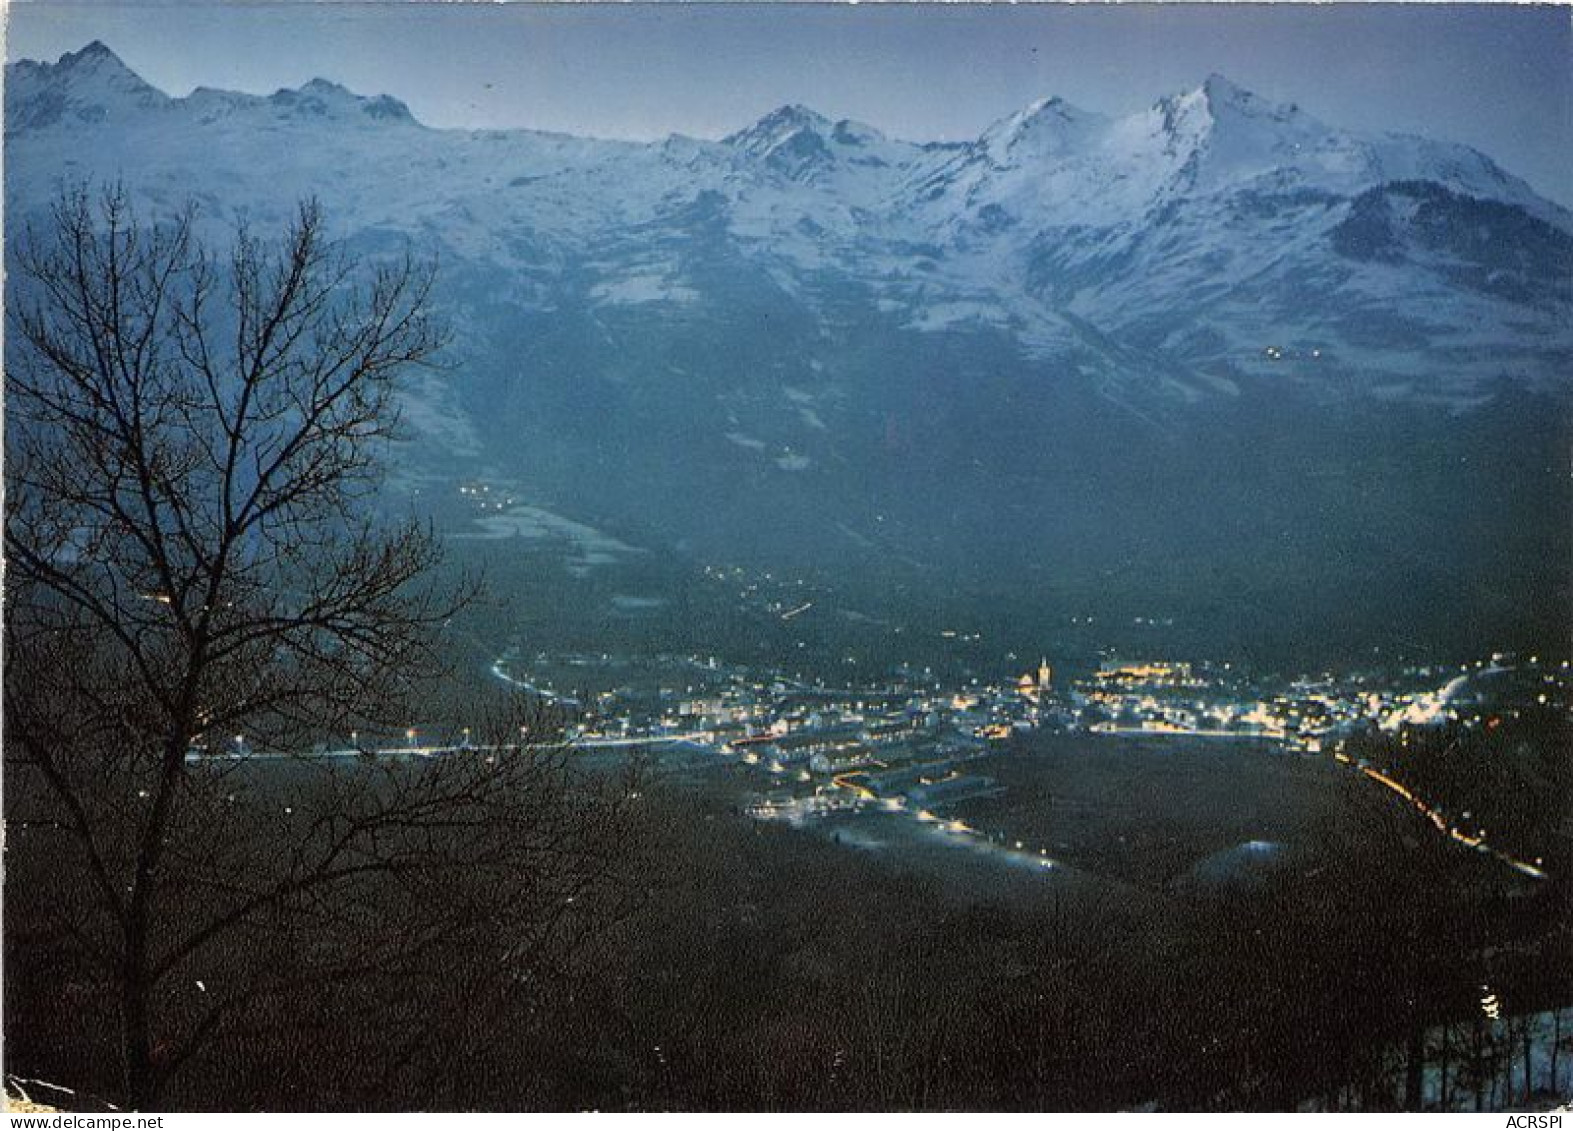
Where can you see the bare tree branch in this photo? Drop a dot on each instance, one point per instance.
(190, 450)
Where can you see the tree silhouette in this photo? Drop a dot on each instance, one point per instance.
(194, 447)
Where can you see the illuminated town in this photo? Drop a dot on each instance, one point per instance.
(910, 744)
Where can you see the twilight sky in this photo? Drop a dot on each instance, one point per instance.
(1497, 76)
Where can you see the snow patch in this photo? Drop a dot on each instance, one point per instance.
(587, 547)
(638, 290)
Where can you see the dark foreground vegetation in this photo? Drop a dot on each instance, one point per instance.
(1509, 774)
(196, 568)
(681, 956)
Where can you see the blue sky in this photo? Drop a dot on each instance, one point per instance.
(1497, 76)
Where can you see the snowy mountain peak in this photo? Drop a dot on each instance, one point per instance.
(1045, 111)
(801, 144)
(93, 86)
(1219, 104)
(1049, 127)
(795, 115)
(90, 85)
(321, 98)
(96, 52)
(326, 88)
(848, 132)
(1225, 98)
(1221, 135)
(1220, 91)
(94, 64)
(1053, 205)
(776, 127)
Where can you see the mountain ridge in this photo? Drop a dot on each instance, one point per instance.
(1016, 355)
(1211, 217)
(1216, 91)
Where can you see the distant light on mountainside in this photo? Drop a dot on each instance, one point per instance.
(1028, 350)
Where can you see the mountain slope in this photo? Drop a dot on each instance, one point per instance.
(966, 363)
(1201, 232)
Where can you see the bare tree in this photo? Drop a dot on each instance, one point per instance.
(194, 448)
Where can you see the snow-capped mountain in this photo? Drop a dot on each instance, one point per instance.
(708, 331)
(1217, 234)
(90, 87)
